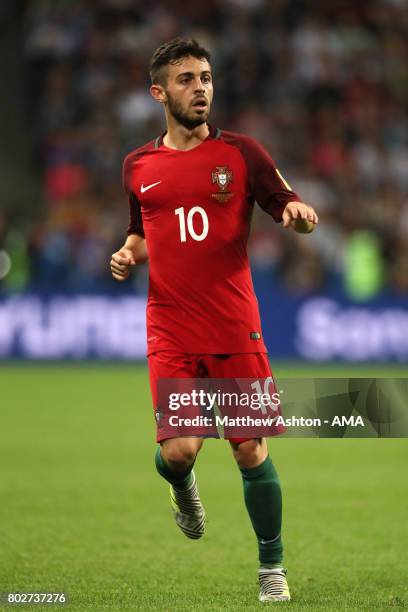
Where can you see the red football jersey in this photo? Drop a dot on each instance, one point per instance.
(194, 208)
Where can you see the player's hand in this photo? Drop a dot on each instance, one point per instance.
(301, 217)
(120, 263)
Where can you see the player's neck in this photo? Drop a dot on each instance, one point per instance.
(180, 138)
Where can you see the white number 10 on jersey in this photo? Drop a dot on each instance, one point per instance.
(190, 223)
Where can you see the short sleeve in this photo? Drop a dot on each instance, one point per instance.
(267, 185)
(135, 213)
(135, 217)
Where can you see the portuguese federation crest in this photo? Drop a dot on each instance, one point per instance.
(222, 176)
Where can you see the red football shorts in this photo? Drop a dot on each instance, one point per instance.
(168, 364)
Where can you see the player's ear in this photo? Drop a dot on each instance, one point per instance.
(157, 92)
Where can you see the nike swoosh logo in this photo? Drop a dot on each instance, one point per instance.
(143, 189)
(262, 541)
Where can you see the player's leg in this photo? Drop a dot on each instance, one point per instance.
(175, 457)
(262, 490)
(263, 497)
(263, 500)
(174, 461)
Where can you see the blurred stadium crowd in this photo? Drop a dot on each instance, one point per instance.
(324, 86)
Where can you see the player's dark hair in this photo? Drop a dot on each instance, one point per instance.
(171, 52)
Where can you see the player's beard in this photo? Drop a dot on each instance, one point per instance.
(184, 118)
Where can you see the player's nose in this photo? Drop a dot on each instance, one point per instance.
(198, 86)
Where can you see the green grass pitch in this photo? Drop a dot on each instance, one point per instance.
(82, 510)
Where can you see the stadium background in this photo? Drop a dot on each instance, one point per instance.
(324, 86)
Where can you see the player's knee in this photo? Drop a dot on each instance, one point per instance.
(179, 456)
(249, 453)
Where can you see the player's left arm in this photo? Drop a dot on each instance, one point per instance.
(300, 216)
(272, 192)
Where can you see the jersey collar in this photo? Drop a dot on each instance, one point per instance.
(213, 133)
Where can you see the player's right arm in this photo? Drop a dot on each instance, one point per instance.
(132, 253)
(134, 250)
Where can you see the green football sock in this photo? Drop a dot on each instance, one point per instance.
(180, 480)
(271, 565)
(263, 499)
